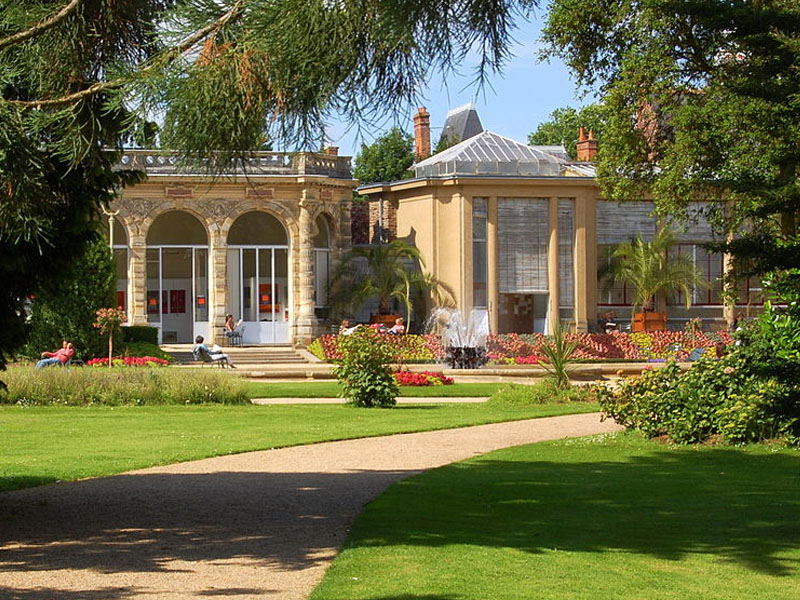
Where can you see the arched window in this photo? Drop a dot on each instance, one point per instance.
(177, 277)
(258, 277)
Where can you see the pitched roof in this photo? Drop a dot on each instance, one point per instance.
(489, 153)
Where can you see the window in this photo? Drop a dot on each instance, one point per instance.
(710, 266)
(480, 275)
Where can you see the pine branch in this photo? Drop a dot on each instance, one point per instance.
(41, 27)
(168, 57)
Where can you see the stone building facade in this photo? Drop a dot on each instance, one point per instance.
(259, 244)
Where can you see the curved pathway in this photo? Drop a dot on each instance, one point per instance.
(258, 525)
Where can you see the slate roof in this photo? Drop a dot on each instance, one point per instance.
(462, 123)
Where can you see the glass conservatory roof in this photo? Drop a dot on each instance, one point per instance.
(489, 153)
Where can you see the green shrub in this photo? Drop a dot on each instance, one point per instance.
(316, 349)
(140, 333)
(364, 371)
(66, 310)
(81, 386)
(145, 349)
(558, 352)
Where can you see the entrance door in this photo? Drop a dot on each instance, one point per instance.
(258, 293)
(177, 293)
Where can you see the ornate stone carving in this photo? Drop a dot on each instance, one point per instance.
(136, 208)
(217, 209)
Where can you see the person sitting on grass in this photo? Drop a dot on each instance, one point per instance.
(399, 327)
(215, 353)
(60, 356)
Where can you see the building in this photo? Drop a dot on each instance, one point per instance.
(521, 231)
(258, 244)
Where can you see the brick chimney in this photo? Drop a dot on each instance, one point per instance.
(422, 134)
(586, 147)
(332, 150)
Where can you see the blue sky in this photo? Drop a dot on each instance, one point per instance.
(514, 103)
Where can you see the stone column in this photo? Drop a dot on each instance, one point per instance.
(137, 279)
(552, 269)
(217, 284)
(581, 265)
(305, 319)
(493, 265)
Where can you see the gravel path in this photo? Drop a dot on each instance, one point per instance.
(258, 525)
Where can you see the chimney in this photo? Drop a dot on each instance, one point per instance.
(422, 133)
(586, 147)
(332, 150)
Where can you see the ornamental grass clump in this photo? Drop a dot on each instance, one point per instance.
(365, 371)
(120, 386)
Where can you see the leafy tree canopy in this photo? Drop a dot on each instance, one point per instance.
(387, 159)
(445, 142)
(703, 100)
(562, 127)
(79, 77)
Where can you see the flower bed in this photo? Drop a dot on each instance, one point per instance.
(525, 348)
(406, 348)
(424, 378)
(128, 361)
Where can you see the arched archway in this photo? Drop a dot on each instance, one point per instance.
(177, 277)
(258, 277)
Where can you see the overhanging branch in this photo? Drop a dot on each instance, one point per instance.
(169, 56)
(42, 26)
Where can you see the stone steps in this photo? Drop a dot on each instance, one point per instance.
(248, 355)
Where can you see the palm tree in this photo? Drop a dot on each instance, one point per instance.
(652, 271)
(386, 272)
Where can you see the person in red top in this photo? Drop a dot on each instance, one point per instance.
(60, 356)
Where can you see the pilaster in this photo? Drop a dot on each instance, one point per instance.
(581, 263)
(305, 320)
(137, 281)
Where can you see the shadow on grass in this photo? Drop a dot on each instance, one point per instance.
(741, 507)
(18, 482)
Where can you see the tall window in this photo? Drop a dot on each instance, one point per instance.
(480, 275)
(322, 263)
(566, 259)
(710, 266)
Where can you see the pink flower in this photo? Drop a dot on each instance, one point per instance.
(729, 370)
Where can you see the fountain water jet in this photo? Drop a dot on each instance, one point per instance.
(463, 340)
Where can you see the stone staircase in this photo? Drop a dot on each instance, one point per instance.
(245, 355)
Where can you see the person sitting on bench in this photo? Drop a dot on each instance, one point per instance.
(214, 353)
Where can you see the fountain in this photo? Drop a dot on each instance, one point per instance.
(463, 340)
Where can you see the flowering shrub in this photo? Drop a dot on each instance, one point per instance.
(424, 378)
(108, 321)
(128, 361)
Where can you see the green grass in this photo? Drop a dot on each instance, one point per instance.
(331, 389)
(47, 443)
(601, 517)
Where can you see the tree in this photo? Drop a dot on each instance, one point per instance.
(446, 141)
(562, 127)
(80, 77)
(652, 271)
(385, 271)
(65, 308)
(703, 100)
(387, 159)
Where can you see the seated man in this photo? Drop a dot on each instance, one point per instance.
(60, 356)
(214, 353)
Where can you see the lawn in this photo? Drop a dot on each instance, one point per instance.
(47, 443)
(601, 517)
(332, 389)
